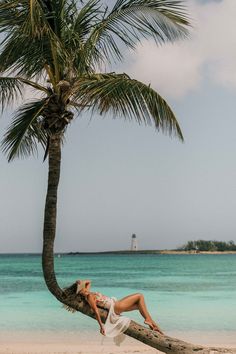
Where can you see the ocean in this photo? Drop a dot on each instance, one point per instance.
(184, 293)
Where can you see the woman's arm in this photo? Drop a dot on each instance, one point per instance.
(87, 284)
(92, 303)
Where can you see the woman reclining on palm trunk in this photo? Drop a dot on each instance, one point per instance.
(115, 324)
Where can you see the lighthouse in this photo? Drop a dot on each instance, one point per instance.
(134, 243)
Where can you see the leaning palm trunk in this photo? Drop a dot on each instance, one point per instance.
(68, 296)
(49, 230)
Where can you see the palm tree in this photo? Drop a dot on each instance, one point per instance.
(58, 48)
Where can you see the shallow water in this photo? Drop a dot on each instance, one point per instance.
(185, 293)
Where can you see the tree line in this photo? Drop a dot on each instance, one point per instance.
(203, 245)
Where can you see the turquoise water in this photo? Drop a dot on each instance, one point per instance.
(183, 292)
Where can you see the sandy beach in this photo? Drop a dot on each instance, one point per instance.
(73, 343)
(67, 343)
(64, 348)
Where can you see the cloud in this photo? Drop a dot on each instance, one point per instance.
(210, 52)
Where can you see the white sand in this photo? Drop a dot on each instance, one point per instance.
(64, 343)
(71, 349)
(94, 343)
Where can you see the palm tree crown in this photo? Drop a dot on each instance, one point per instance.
(59, 47)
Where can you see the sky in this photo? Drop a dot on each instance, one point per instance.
(119, 178)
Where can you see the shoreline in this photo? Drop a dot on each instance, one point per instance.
(122, 252)
(52, 342)
(160, 252)
(67, 343)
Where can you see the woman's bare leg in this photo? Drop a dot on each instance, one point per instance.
(136, 302)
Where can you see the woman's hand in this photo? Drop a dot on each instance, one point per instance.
(86, 284)
(102, 330)
(92, 302)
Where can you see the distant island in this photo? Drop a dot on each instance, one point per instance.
(119, 252)
(210, 246)
(191, 247)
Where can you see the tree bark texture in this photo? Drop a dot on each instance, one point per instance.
(50, 215)
(68, 296)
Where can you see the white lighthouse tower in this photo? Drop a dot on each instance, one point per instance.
(134, 243)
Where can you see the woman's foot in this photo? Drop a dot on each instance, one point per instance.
(153, 326)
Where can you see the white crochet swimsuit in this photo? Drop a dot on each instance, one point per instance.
(104, 301)
(115, 324)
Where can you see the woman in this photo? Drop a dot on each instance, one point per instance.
(115, 324)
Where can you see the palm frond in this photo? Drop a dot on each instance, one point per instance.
(127, 98)
(78, 24)
(10, 89)
(23, 55)
(131, 20)
(18, 14)
(12, 14)
(86, 18)
(33, 43)
(54, 11)
(33, 84)
(25, 131)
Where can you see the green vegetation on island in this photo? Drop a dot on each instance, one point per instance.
(211, 246)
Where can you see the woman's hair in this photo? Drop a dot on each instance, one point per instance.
(81, 285)
(70, 291)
